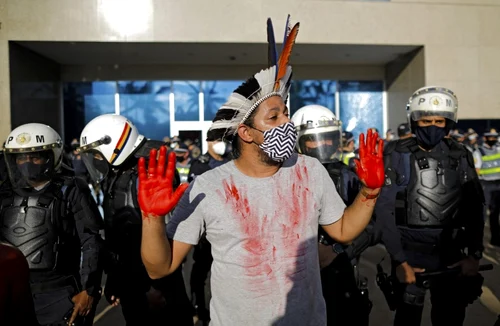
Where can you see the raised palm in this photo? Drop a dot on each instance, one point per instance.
(156, 195)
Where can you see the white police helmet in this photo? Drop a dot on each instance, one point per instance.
(108, 138)
(432, 101)
(319, 133)
(33, 153)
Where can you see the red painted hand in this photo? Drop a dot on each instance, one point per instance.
(370, 166)
(156, 196)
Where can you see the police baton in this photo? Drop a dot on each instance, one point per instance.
(425, 277)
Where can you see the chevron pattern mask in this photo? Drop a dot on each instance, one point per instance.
(279, 142)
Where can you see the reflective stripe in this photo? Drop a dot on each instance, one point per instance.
(493, 157)
(347, 157)
(183, 170)
(490, 167)
(489, 171)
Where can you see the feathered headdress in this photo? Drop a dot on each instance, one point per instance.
(273, 81)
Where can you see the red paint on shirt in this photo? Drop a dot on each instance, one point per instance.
(273, 242)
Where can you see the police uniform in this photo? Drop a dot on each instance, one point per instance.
(430, 210)
(53, 220)
(487, 161)
(345, 293)
(127, 278)
(111, 148)
(52, 227)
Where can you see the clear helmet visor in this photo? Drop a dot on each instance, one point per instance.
(96, 164)
(30, 169)
(323, 143)
(417, 115)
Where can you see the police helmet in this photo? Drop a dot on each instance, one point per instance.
(33, 153)
(108, 138)
(319, 133)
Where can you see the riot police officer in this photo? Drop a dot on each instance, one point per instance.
(431, 212)
(487, 162)
(183, 161)
(110, 148)
(345, 293)
(54, 221)
(216, 155)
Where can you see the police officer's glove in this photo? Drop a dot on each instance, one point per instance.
(156, 195)
(469, 266)
(370, 166)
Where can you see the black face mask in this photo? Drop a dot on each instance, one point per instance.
(491, 143)
(319, 152)
(429, 137)
(34, 172)
(101, 166)
(179, 159)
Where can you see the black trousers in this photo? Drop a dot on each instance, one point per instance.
(150, 302)
(344, 303)
(449, 294)
(52, 306)
(201, 295)
(492, 197)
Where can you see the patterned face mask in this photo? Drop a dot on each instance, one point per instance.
(279, 142)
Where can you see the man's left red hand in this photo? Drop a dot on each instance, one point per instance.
(370, 166)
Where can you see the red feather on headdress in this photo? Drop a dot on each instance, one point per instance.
(285, 55)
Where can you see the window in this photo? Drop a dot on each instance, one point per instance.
(215, 94)
(306, 92)
(361, 106)
(146, 104)
(186, 100)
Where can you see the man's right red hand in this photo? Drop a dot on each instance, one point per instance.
(156, 195)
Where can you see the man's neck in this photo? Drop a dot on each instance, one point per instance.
(251, 165)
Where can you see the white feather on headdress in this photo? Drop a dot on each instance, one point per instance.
(273, 81)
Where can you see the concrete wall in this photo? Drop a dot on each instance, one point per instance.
(460, 37)
(410, 79)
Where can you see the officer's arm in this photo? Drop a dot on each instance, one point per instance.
(88, 223)
(385, 224)
(472, 209)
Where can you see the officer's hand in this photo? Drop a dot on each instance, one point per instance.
(114, 301)
(469, 266)
(370, 166)
(83, 304)
(156, 195)
(406, 273)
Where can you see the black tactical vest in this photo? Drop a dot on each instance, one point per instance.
(36, 225)
(434, 191)
(122, 215)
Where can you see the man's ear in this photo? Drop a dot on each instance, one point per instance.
(245, 133)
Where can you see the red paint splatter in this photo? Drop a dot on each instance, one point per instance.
(274, 251)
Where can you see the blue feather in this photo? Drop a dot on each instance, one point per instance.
(272, 53)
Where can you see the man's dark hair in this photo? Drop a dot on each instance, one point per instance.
(236, 143)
